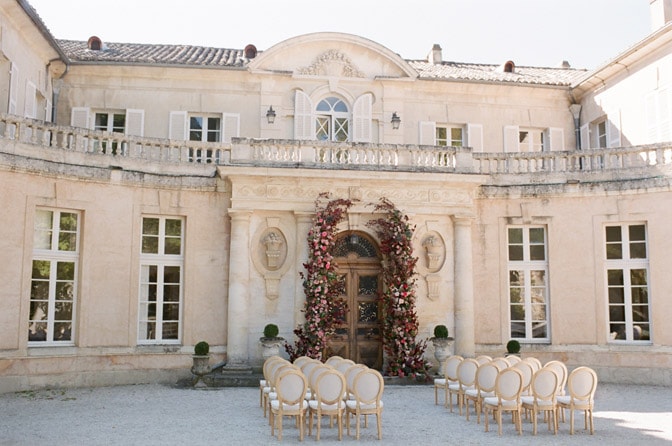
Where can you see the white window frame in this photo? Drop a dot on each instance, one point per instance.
(626, 263)
(336, 120)
(449, 140)
(51, 252)
(159, 260)
(528, 267)
(205, 119)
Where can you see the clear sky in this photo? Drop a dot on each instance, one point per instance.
(586, 33)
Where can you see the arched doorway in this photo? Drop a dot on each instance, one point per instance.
(360, 336)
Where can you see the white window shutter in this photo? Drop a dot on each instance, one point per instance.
(556, 139)
(13, 89)
(79, 117)
(511, 138)
(664, 115)
(177, 126)
(135, 122)
(47, 111)
(303, 116)
(30, 102)
(427, 133)
(361, 118)
(475, 137)
(230, 126)
(651, 114)
(584, 133)
(614, 129)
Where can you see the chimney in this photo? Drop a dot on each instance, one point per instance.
(435, 57)
(661, 13)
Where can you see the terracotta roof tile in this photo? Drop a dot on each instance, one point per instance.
(493, 73)
(136, 53)
(189, 55)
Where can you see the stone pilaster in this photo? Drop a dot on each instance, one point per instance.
(464, 289)
(237, 351)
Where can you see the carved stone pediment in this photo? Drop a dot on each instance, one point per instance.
(331, 63)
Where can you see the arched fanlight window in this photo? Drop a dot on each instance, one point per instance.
(332, 120)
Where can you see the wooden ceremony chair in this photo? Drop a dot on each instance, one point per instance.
(449, 377)
(507, 398)
(329, 389)
(581, 385)
(368, 391)
(486, 378)
(544, 388)
(466, 377)
(291, 401)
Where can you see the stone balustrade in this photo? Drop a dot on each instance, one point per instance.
(328, 155)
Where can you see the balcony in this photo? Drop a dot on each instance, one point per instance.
(50, 142)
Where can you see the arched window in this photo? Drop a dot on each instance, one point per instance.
(332, 120)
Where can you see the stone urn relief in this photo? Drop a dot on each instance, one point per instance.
(442, 346)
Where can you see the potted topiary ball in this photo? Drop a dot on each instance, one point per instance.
(201, 363)
(513, 347)
(442, 346)
(270, 341)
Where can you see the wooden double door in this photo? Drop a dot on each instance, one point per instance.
(360, 336)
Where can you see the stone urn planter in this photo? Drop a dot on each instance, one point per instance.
(200, 363)
(271, 342)
(442, 346)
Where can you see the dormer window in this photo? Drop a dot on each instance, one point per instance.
(95, 43)
(509, 67)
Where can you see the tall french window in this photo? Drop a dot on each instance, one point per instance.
(161, 266)
(528, 283)
(628, 282)
(53, 285)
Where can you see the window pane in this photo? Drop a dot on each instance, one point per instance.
(173, 227)
(637, 233)
(63, 311)
(441, 136)
(616, 296)
(119, 123)
(173, 246)
(322, 128)
(539, 330)
(456, 137)
(41, 269)
(323, 106)
(641, 332)
(64, 291)
(615, 277)
(516, 252)
(170, 330)
(638, 250)
(614, 251)
(640, 313)
(518, 329)
(616, 313)
(62, 331)
(613, 233)
(65, 271)
(538, 278)
(537, 252)
(515, 295)
(515, 235)
(638, 277)
(537, 235)
(617, 331)
(515, 278)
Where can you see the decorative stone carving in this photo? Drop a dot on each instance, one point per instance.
(434, 252)
(274, 243)
(331, 63)
(433, 282)
(272, 286)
